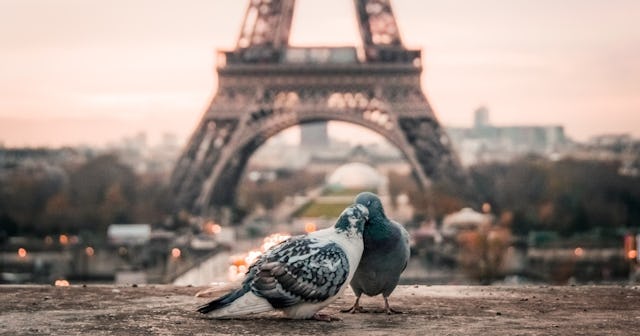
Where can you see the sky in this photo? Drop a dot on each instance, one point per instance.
(91, 72)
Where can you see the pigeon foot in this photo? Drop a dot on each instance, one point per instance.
(356, 308)
(389, 310)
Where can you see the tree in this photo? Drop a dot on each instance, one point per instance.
(49, 198)
(568, 196)
(24, 195)
(58, 215)
(103, 191)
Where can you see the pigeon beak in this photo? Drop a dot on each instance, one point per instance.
(364, 210)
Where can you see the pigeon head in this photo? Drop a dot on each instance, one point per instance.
(352, 220)
(372, 202)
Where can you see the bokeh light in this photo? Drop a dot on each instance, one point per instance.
(175, 253)
(310, 227)
(61, 283)
(240, 263)
(211, 227)
(89, 251)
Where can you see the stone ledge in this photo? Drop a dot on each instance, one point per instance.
(429, 310)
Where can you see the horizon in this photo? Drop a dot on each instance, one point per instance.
(92, 72)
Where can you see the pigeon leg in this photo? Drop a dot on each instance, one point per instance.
(388, 309)
(355, 308)
(325, 317)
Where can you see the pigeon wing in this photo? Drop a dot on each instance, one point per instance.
(300, 270)
(405, 243)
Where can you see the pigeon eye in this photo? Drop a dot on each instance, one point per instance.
(368, 203)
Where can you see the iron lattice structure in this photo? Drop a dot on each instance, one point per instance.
(265, 86)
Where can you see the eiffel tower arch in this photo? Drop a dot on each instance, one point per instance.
(265, 86)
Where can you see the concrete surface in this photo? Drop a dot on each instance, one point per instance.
(429, 310)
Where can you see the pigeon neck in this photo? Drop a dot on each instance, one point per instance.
(378, 228)
(351, 233)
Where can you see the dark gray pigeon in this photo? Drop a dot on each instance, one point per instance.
(386, 254)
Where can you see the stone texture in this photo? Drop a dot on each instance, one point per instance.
(429, 310)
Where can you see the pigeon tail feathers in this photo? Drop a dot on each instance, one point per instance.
(222, 301)
(234, 304)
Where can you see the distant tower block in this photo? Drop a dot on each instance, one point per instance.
(481, 117)
(314, 135)
(265, 86)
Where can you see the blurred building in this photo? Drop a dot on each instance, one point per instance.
(46, 163)
(13, 158)
(145, 158)
(621, 148)
(314, 135)
(485, 142)
(383, 157)
(134, 151)
(276, 154)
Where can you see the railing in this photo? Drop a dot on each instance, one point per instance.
(318, 55)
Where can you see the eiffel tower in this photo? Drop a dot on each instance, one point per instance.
(265, 86)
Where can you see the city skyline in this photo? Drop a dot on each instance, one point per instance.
(88, 72)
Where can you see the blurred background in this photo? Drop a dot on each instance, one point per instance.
(540, 99)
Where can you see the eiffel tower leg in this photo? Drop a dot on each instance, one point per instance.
(199, 161)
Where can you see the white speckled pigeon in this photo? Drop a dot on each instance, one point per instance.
(301, 275)
(386, 254)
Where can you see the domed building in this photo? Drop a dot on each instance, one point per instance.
(355, 175)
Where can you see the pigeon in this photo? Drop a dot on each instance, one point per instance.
(386, 254)
(301, 275)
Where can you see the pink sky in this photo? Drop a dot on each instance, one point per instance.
(89, 71)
